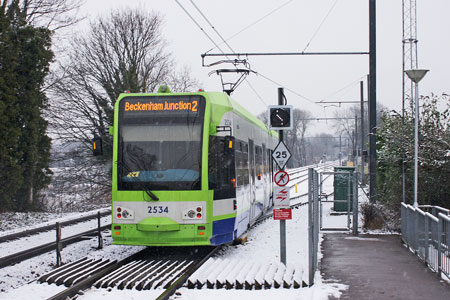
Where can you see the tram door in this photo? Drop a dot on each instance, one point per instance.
(252, 171)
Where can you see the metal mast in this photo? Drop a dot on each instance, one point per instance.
(409, 18)
(409, 48)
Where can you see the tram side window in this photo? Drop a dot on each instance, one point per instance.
(242, 164)
(221, 169)
(259, 161)
(264, 159)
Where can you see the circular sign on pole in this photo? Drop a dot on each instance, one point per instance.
(281, 178)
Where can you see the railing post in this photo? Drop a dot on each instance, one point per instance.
(416, 231)
(316, 218)
(404, 222)
(355, 205)
(440, 223)
(310, 226)
(100, 238)
(426, 239)
(58, 245)
(408, 227)
(349, 179)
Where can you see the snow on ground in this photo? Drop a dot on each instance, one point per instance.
(35, 240)
(12, 222)
(27, 271)
(263, 245)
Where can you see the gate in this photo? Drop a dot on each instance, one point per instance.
(316, 199)
(343, 200)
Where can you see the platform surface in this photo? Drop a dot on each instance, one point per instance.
(378, 267)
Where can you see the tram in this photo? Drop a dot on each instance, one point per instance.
(189, 169)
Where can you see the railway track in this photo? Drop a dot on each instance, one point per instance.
(165, 269)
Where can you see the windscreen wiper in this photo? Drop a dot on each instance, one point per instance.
(142, 184)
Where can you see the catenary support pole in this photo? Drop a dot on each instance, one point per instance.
(372, 101)
(362, 133)
(356, 145)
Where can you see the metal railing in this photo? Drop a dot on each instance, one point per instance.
(426, 232)
(315, 213)
(313, 222)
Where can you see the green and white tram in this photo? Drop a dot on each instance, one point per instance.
(188, 169)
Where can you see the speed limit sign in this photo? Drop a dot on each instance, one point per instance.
(281, 155)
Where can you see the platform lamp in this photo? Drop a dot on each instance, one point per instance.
(416, 75)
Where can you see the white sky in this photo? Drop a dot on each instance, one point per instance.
(289, 30)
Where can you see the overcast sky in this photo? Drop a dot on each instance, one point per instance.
(290, 29)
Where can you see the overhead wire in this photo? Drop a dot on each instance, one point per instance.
(217, 46)
(196, 23)
(288, 89)
(228, 45)
(343, 88)
(212, 26)
(262, 75)
(254, 23)
(320, 26)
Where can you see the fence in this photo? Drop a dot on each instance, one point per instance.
(315, 213)
(313, 222)
(426, 231)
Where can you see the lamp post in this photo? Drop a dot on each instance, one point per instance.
(416, 75)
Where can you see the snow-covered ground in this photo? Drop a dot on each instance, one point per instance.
(263, 246)
(12, 222)
(35, 240)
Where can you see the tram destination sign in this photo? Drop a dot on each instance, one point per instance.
(281, 155)
(143, 106)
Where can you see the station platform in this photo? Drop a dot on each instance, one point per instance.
(378, 267)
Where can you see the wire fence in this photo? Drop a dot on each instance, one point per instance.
(313, 222)
(426, 232)
(315, 211)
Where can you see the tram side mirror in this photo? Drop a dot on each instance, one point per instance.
(97, 147)
(228, 144)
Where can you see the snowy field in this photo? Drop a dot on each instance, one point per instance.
(263, 245)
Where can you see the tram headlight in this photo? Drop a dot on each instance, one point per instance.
(124, 213)
(191, 214)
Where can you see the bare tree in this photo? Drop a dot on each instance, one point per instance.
(345, 125)
(295, 139)
(323, 146)
(182, 81)
(122, 52)
(51, 14)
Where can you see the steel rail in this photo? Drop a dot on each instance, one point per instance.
(20, 234)
(29, 253)
(185, 276)
(89, 281)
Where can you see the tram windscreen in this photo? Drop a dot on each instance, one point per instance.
(160, 142)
